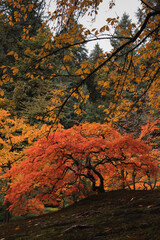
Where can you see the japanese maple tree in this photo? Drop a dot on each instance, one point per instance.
(72, 162)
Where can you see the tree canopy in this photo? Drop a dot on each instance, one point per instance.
(71, 161)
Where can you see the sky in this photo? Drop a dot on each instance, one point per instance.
(121, 6)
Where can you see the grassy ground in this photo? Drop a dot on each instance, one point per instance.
(116, 215)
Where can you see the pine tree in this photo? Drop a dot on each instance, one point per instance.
(13, 25)
(121, 30)
(92, 82)
(74, 111)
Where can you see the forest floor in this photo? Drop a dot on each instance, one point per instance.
(115, 215)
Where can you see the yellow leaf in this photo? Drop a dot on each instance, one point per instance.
(3, 66)
(11, 53)
(15, 70)
(96, 33)
(107, 28)
(4, 70)
(11, 23)
(1, 92)
(25, 17)
(48, 46)
(87, 71)
(87, 32)
(106, 69)
(79, 72)
(15, 55)
(102, 29)
(67, 58)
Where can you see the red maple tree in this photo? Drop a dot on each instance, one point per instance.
(73, 162)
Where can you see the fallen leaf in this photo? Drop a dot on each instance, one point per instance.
(108, 229)
(149, 206)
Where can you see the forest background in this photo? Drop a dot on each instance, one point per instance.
(72, 122)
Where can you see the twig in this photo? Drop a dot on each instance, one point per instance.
(77, 227)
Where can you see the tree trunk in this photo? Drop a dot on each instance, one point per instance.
(7, 213)
(100, 188)
(133, 179)
(122, 177)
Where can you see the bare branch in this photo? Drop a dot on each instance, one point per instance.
(147, 5)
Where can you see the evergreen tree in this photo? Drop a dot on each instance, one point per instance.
(97, 101)
(92, 86)
(33, 16)
(12, 32)
(74, 111)
(13, 25)
(95, 53)
(121, 31)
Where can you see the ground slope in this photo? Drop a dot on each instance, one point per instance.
(116, 215)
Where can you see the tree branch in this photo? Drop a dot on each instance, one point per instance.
(115, 53)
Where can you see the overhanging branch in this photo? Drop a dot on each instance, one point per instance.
(111, 56)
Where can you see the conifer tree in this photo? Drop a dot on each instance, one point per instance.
(17, 20)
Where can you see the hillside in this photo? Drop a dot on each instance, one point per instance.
(116, 215)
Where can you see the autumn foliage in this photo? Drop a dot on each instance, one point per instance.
(15, 137)
(71, 163)
(46, 81)
(135, 75)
